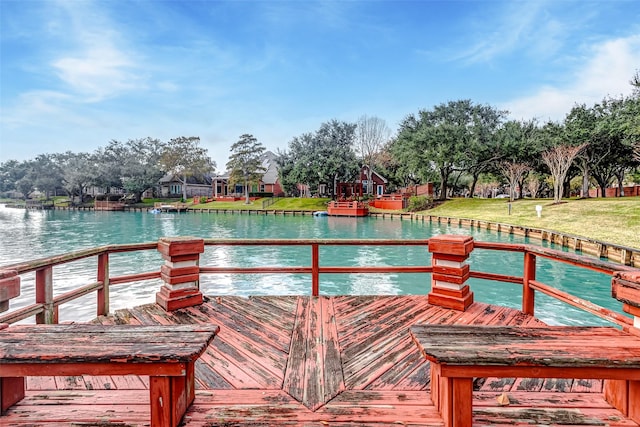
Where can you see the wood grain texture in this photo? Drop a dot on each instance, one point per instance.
(80, 343)
(564, 346)
(240, 378)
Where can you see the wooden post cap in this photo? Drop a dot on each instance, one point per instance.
(451, 244)
(631, 276)
(625, 287)
(174, 246)
(8, 274)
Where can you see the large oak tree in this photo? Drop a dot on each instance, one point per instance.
(245, 162)
(184, 157)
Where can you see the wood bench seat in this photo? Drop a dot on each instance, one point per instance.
(458, 354)
(167, 354)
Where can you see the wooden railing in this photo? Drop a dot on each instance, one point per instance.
(530, 284)
(45, 307)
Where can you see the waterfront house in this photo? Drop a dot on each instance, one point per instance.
(378, 183)
(269, 183)
(360, 186)
(171, 186)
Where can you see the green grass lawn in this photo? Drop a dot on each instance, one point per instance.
(281, 204)
(238, 205)
(300, 204)
(613, 220)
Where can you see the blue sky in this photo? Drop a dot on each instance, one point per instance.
(77, 74)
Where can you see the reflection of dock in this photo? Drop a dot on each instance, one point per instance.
(170, 207)
(38, 204)
(107, 205)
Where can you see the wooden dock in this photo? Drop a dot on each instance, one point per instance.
(313, 361)
(347, 208)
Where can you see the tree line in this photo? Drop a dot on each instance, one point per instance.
(459, 145)
(464, 141)
(132, 166)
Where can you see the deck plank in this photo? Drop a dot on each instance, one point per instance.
(257, 349)
(314, 369)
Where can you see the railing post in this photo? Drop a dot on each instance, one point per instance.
(103, 276)
(315, 270)
(450, 272)
(44, 295)
(9, 288)
(622, 394)
(180, 272)
(529, 274)
(625, 287)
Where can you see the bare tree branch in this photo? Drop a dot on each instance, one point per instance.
(513, 172)
(372, 134)
(559, 159)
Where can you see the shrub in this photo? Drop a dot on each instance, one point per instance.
(419, 203)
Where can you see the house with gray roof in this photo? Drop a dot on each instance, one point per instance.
(269, 183)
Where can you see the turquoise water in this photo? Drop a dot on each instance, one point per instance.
(30, 235)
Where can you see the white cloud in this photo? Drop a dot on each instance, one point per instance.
(95, 62)
(97, 73)
(34, 107)
(604, 71)
(519, 26)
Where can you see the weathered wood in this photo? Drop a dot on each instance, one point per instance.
(314, 371)
(460, 353)
(390, 388)
(541, 399)
(166, 354)
(565, 346)
(76, 343)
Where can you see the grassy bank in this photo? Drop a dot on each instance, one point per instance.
(282, 204)
(613, 220)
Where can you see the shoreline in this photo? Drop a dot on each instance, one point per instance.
(620, 254)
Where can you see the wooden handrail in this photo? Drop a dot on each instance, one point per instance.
(46, 306)
(590, 263)
(583, 304)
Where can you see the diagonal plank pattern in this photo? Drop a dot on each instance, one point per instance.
(314, 372)
(301, 360)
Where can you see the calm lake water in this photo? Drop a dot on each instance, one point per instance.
(28, 235)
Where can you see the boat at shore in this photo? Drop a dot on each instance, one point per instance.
(317, 359)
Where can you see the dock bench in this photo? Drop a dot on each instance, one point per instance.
(167, 354)
(460, 353)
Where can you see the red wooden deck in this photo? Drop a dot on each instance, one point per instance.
(313, 361)
(347, 208)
